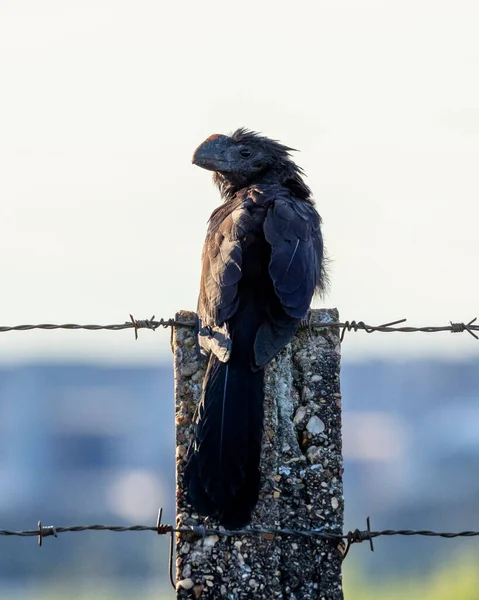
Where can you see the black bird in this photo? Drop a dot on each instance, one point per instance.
(262, 263)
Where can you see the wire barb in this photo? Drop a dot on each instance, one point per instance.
(163, 529)
(357, 536)
(45, 531)
(355, 326)
(461, 327)
(143, 324)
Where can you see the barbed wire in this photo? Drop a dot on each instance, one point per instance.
(201, 532)
(136, 324)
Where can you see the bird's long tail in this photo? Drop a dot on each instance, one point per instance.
(222, 473)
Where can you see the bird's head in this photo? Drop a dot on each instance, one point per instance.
(247, 158)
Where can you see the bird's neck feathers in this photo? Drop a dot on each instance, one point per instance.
(287, 174)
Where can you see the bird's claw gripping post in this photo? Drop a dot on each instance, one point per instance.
(201, 355)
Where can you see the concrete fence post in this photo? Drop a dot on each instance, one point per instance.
(301, 478)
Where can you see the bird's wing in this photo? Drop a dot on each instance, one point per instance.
(292, 228)
(221, 273)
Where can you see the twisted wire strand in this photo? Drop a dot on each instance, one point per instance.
(200, 531)
(353, 325)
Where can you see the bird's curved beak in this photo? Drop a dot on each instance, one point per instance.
(210, 154)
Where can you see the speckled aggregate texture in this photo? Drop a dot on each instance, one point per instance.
(301, 478)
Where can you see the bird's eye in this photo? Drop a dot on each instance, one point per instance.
(245, 152)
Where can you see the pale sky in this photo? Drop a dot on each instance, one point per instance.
(102, 103)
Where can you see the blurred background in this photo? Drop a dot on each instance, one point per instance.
(102, 104)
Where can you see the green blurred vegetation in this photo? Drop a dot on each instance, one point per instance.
(101, 591)
(457, 581)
